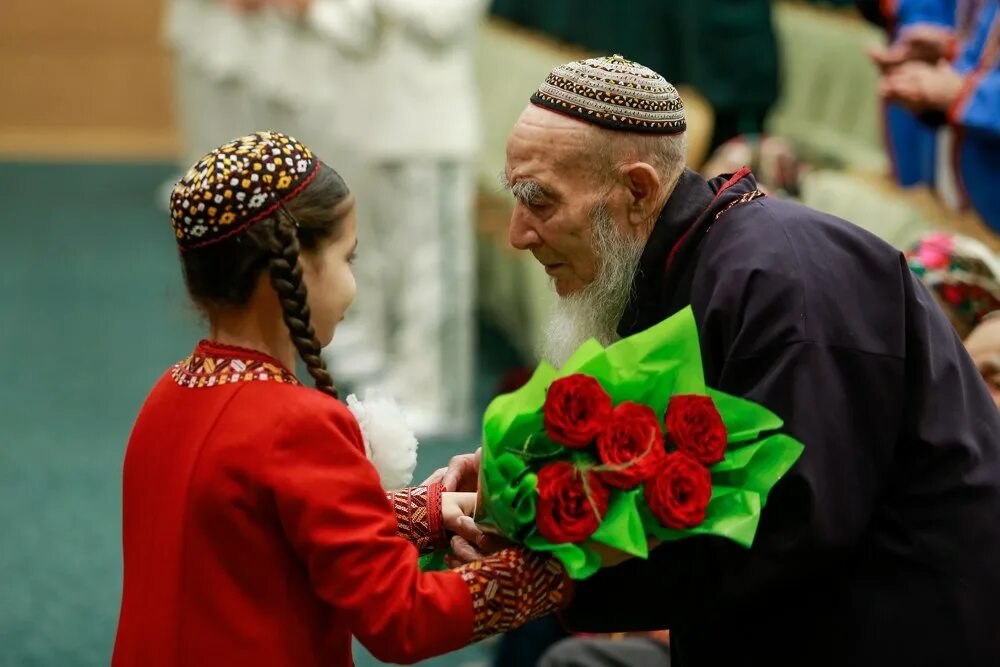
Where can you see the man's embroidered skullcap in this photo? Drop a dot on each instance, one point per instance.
(614, 93)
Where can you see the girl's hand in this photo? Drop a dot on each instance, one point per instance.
(457, 510)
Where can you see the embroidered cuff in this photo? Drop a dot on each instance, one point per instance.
(512, 587)
(418, 516)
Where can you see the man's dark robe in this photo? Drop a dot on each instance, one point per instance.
(882, 544)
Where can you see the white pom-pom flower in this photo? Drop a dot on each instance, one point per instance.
(389, 443)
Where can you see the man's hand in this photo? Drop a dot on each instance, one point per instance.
(922, 87)
(465, 550)
(923, 42)
(462, 473)
(983, 345)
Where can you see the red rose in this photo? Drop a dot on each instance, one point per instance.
(576, 409)
(680, 492)
(695, 426)
(571, 503)
(631, 446)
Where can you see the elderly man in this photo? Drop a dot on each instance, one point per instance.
(881, 546)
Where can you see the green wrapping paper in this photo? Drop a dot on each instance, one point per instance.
(647, 368)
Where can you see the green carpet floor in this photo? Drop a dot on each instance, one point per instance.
(93, 311)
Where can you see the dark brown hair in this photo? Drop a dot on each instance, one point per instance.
(224, 274)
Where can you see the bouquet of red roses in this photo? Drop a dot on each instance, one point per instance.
(627, 444)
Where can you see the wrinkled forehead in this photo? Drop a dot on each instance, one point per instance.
(549, 145)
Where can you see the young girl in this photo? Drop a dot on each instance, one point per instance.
(255, 532)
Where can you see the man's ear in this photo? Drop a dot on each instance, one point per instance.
(643, 184)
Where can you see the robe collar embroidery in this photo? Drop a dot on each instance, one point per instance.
(693, 207)
(212, 364)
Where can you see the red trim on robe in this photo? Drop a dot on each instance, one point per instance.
(733, 180)
(957, 108)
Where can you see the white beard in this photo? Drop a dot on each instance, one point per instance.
(594, 311)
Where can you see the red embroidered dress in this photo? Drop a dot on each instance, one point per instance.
(255, 532)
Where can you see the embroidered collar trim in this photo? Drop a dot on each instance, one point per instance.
(214, 364)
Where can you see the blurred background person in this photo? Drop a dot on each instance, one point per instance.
(962, 274)
(964, 277)
(210, 41)
(412, 136)
(918, 30)
(964, 94)
(334, 39)
(984, 347)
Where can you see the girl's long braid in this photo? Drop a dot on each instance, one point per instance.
(286, 278)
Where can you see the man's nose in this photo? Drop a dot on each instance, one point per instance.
(522, 234)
